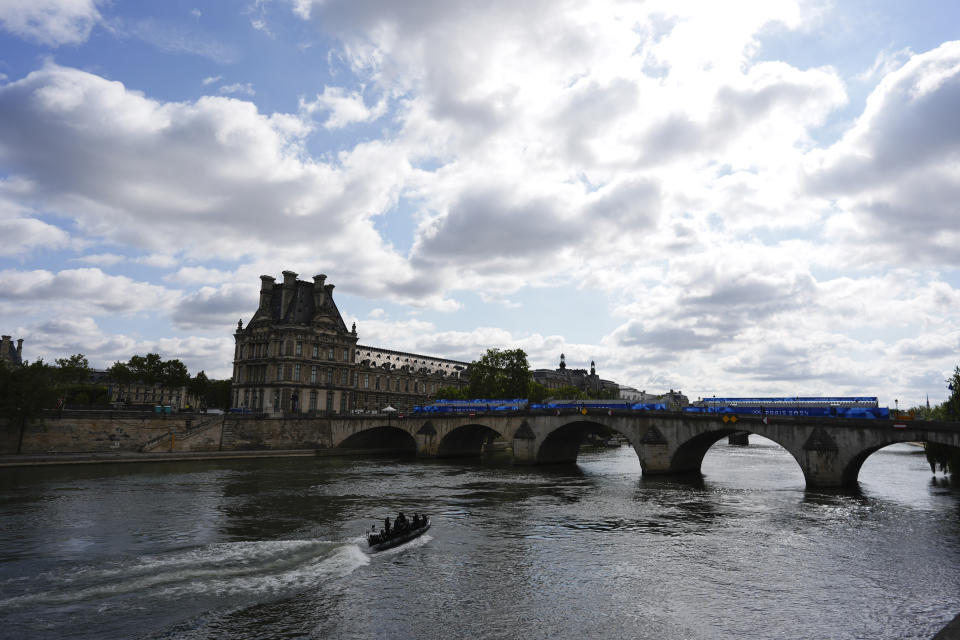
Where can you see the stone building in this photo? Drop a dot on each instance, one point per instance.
(296, 355)
(587, 382)
(10, 354)
(673, 399)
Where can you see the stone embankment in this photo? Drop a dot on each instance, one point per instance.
(125, 432)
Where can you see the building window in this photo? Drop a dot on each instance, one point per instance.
(296, 372)
(316, 350)
(344, 377)
(330, 353)
(366, 381)
(346, 355)
(343, 403)
(279, 372)
(356, 378)
(407, 386)
(377, 384)
(299, 348)
(313, 401)
(330, 376)
(313, 374)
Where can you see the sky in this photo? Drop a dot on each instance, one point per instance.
(734, 199)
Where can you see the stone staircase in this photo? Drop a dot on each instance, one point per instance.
(175, 437)
(227, 436)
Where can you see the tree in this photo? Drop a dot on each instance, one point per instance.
(538, 392)
(150, 370)
(25, 391)
(72, 376)
(124, 376)
(73, 370)
(173, 374)
(951, 408)
(450, 393)
(569, 392)
(948, 458)
(500, 374)
(198, 385)
(218, 394)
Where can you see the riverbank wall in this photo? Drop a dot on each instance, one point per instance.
(72, 432)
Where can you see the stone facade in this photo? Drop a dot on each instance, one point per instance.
(297, 356)
(673, 399)
(9, 354)
(588, 382)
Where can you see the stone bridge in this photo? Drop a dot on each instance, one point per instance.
(830, 451)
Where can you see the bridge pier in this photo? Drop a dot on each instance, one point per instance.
(828, 451)
(739, 439)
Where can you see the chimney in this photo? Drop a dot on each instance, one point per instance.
(266, 290)
(319, 296)
(5, 346)
(289, 288)
(20, 349)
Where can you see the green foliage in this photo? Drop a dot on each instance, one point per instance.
(604, 394)
(25, 391)
(941, 455)
(500, 374)
(450, 393)
(151, 370)
(218, 394)
(198, 384)
(951, 408)
(73, 370)
(173, 374)
(569, 392)
(538, 393)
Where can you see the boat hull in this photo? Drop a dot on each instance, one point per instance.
(401, 539)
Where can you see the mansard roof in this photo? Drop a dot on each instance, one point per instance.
(298, 302)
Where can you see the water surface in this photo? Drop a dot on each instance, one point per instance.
(273, 548)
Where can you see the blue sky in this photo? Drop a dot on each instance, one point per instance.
(742, 198)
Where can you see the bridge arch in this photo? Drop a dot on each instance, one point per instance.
(384, 437)
(563, 443)
(851, 470)
(466, 441)
(684, 453)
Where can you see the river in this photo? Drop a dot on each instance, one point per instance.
(273, 548)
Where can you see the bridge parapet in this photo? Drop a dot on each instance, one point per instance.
(829, 451)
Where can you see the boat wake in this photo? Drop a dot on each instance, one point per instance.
(406, 546)
(260, 569)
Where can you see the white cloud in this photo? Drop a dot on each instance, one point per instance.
(85, 290)
(50, 22)
(642, 153)
(343, 108)
(174, 37)
(244, 88)
(897, 171)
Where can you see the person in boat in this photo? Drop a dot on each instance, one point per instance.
(402, 521)
(386, 525)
